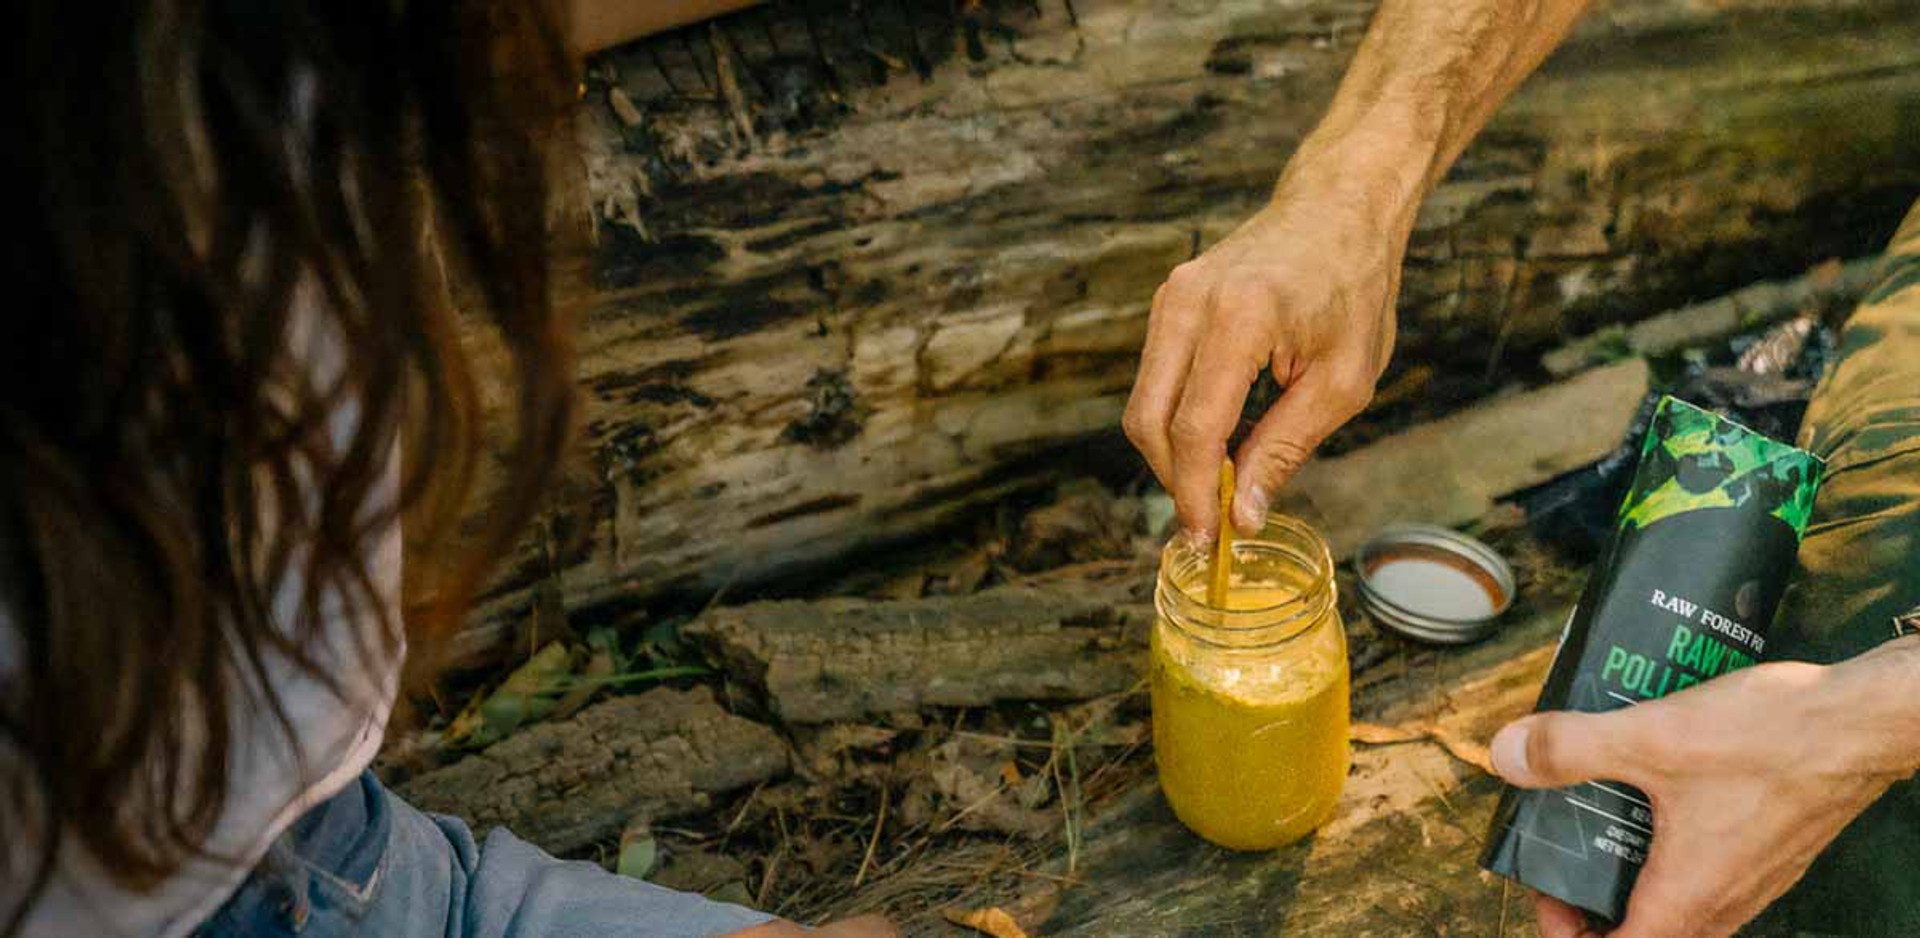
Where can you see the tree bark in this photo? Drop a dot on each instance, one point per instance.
(566, 784)
(861, 270)
(843, 659)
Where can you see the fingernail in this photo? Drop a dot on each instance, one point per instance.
(1196, 538)
(1250, 510)
(1510, 752)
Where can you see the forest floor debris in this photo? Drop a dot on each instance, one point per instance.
(920, 807)
(962, 729)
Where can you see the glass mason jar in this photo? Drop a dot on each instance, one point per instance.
(1250, 701)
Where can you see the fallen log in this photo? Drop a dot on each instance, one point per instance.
(566, 784)
(1077, 638)
(1747, 308)
(862, 270)
(1451, 470)
(843, 659)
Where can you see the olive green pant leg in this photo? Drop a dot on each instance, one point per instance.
(1859, 569)
(1860, 561)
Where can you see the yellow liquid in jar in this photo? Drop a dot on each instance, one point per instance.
(1252, 743)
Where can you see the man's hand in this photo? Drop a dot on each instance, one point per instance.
(1305, 287)
(1750, 776)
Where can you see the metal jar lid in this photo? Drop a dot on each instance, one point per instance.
(1433, 584)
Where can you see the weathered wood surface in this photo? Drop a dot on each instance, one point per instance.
(566, 784)
(1747, 308)
(1399, 857)
(845, 659)
(860, 271)
(1451, 470)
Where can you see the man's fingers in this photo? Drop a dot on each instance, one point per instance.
(1560, 920)
(1554, 750)
(1667, 901)
(1173, 329)
(1286, 436)
(1224, 367)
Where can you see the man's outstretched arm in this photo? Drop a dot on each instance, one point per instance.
(1306, 286)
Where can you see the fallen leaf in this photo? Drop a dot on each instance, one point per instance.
(1010, 773)
(994, 921)
(964, 775)
(833, 752)
(624, 108)
(1035, 791)
(517, 701)
(1468, 750)
(638, 852)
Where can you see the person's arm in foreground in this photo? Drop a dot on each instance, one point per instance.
(1750, 776)
(1307, 285)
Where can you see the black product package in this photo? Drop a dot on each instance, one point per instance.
(1701, 553)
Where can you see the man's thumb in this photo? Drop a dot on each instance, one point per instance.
(1553, 750)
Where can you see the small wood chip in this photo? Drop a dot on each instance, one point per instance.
(994, 921)
(623, 107)
(1373, 734)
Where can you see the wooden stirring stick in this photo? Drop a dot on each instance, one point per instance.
(1223, 545)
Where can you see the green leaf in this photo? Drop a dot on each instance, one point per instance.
(605, 638)
(629, 677)
(734, 892)
(661, 640)
(520, 699)
(637, 857)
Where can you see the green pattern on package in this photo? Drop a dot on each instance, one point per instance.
(1696, 459)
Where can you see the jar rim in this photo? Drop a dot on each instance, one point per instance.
(1250, 628)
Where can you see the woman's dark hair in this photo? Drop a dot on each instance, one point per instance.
(192, 184)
